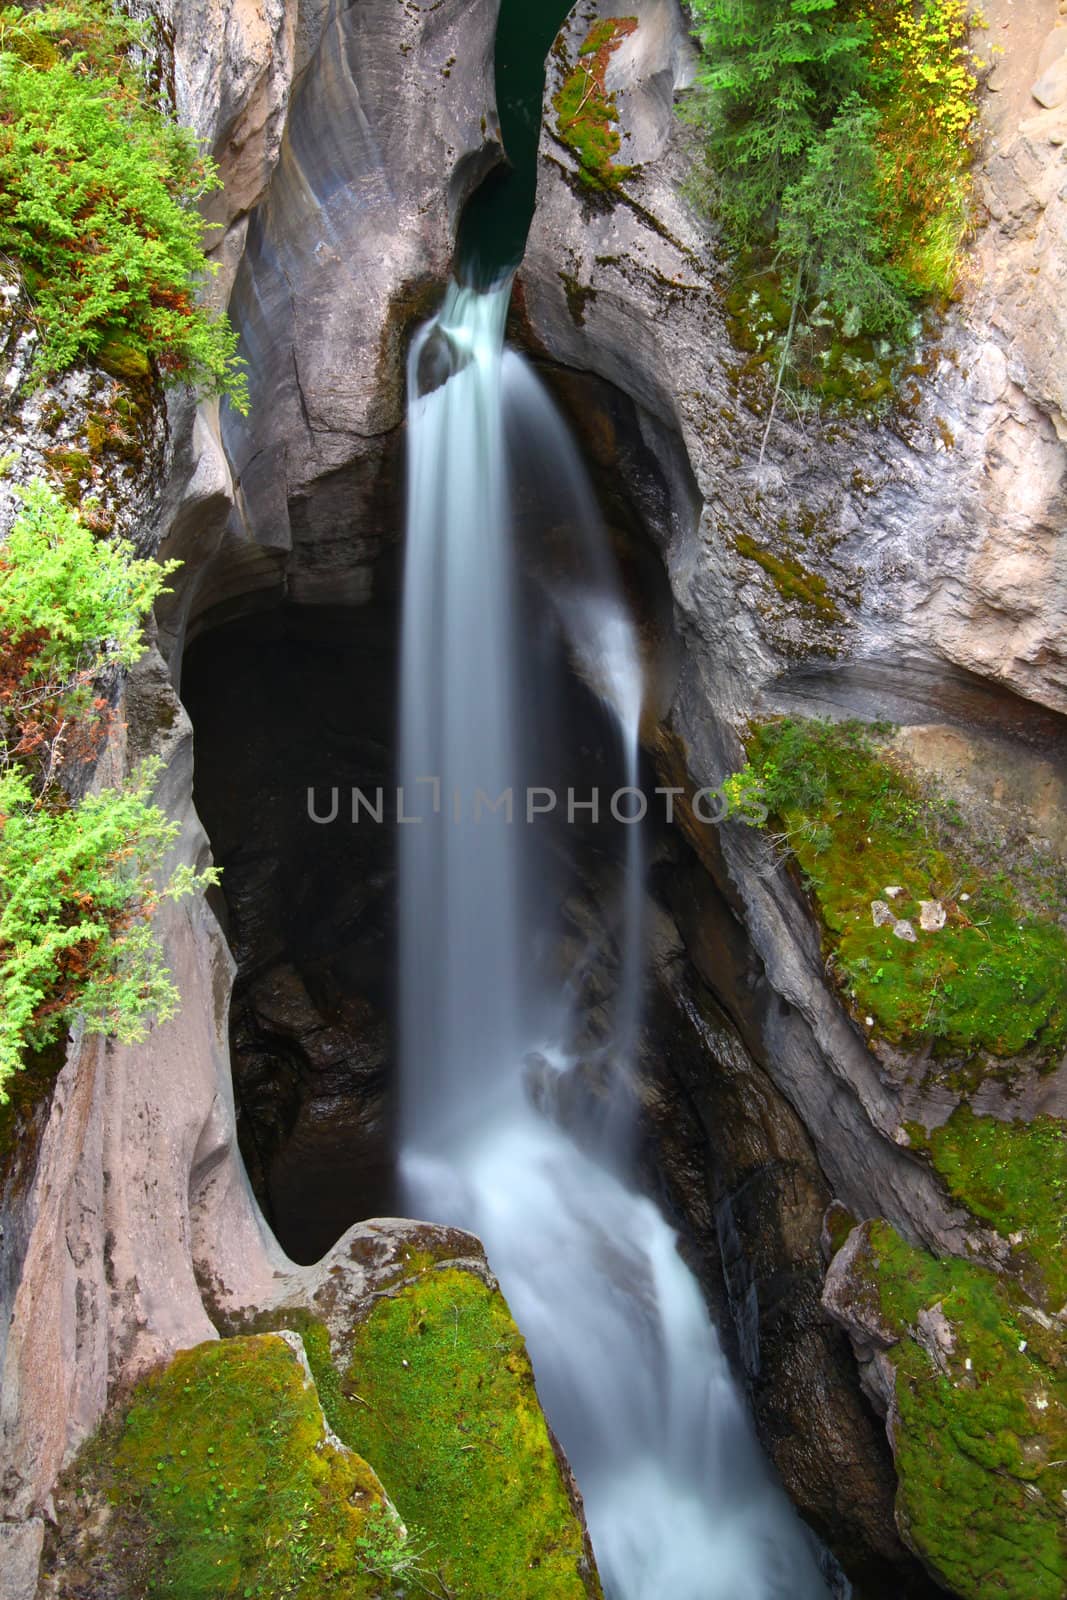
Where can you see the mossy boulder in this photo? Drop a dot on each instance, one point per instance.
(421, 1371)
(220, 1477)
(438, 1390)
(975, 1379)
(1012, 1176)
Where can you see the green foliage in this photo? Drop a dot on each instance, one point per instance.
(388, 1550)
(774, 73)
(994, 979)
(827, 225)
(838, 135)
(586, 114)
(85, 597)
(439, 1394)
(224, 1484)
(981, 1437)
(97, 192)
(77, 881)
(77, 887)
(1013, 1176)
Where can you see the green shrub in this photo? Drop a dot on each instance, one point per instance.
(839, 136)
(77, 880)
(97, 192)
(77, 887)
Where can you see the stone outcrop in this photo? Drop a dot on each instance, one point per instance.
(347, 247)
(900, 568)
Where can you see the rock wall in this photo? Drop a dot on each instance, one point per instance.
(912, 535)
(343, 180)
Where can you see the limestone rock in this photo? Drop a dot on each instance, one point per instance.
(932, 916)
(1050, 90)
(20, 1557)
(389, 127)
(881, 914)
(934, 1333)
(904, 930)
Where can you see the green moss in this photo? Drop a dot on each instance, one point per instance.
(981, 1437)
(122, 358)
(579, 296)
(439, 1393)
(844, 373)
(222, 1483)
(994, 979)
(1012, 1175)
(71, 467)
(586, 114)
(792, 580)
(224, 1454)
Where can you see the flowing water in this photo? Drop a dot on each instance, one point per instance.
(679, 1501)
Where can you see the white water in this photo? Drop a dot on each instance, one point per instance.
(679, 1502)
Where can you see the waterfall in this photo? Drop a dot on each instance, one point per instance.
(629, 1368)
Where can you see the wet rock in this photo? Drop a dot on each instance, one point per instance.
(439, 360)
(734, 1156)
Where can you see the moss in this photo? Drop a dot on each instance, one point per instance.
(1013, 1176)
(792, 580)
(70, 465)
(579, 296)
(980, 1438)
(119, 356)
(223, 1483)
(993, 979)
(844, 374)
(839, 1223)
(586, 114)
(439, 1393)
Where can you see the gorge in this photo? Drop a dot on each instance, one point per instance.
(704, 1112)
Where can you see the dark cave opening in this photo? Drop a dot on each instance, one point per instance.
(285, 701)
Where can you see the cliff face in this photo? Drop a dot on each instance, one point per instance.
(908, 534)
(343, 177)
(926, 586)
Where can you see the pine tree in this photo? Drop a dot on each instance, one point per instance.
(775, 74)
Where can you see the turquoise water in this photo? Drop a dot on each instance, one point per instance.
(493, 230)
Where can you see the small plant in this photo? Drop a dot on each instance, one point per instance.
(78, 879)
(388, 1550)
(97, 202)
